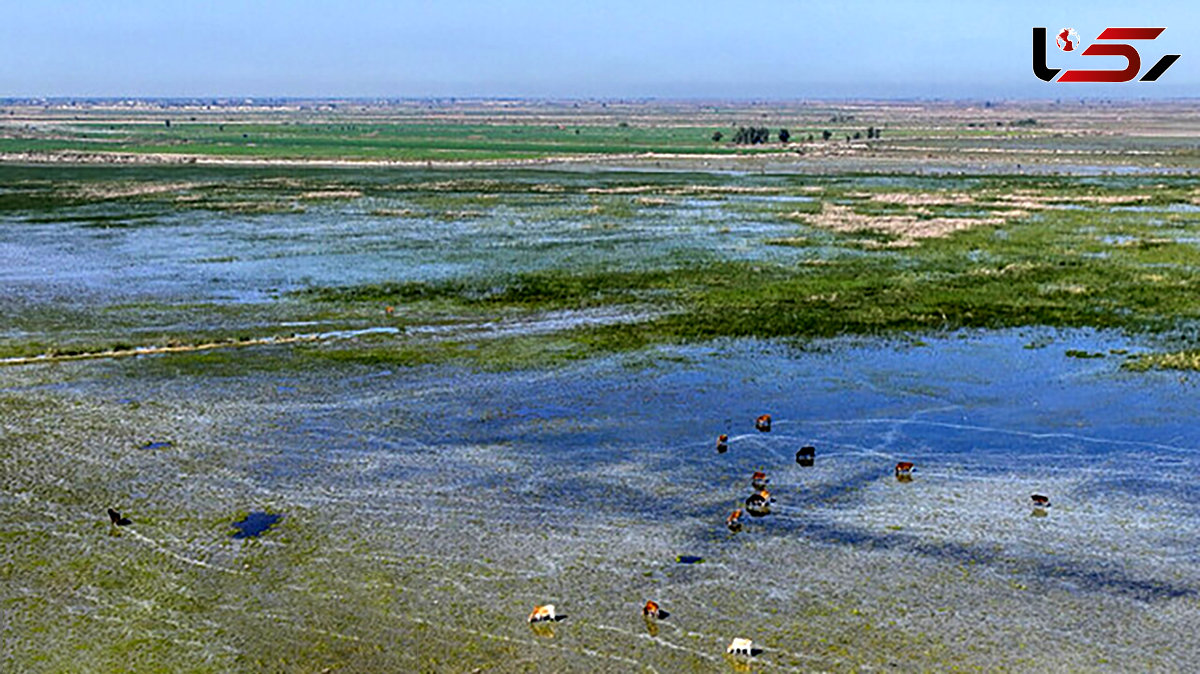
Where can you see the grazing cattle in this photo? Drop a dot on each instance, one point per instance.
(543, 614)
(389, 310)
(734, 521)
(116, 518)
(740, 646)
(759, 480)
(806, 455)
(652, 610)
(763, 423)
(1040, 501)
(759, 504)
(904, 469)
(722, 443)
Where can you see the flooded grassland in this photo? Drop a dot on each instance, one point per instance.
(433, 399)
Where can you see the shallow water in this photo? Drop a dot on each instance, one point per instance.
(436, 505)
(167, 248)
(987, 422)
(584, 486)
(255, 524)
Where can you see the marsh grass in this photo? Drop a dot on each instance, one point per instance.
(1187, 360)
(1036, 275)
(1091, 265)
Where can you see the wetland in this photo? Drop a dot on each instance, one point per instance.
(432, 396)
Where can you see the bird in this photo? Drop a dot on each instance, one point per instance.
(116, 518)
(734, 521)
(543, 614)
(722, 443)
(763, 423)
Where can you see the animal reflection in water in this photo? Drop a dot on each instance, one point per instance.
(759, 504)
(904, 471)
(1040, 504)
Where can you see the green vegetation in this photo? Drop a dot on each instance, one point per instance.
(1066, 268)
(752, 135)
(411, 141)
(1188, 359)
(755, 260)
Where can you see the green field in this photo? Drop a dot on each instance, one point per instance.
(1007, 133)
(413, 141)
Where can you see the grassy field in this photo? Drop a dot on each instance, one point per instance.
(407, 141)
(1101, 134)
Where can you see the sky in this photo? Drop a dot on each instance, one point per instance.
(572, 49)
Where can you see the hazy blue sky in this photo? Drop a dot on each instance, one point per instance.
(637, 48)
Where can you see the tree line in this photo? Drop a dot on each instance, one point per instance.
(756, 135)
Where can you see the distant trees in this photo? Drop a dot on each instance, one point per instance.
(751, 135)
(757, 135)
(826, 135)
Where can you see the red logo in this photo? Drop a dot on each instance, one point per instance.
(1068, 40)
